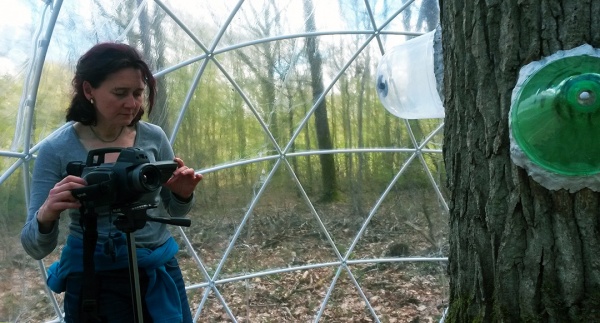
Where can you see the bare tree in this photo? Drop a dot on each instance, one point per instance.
(324, 141)
(153, 42)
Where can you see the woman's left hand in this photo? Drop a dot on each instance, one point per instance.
(184, 180)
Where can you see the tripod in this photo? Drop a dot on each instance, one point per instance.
(130, 218)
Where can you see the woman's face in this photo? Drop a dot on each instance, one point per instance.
(118, 99)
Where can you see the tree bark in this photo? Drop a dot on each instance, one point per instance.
(518, 252)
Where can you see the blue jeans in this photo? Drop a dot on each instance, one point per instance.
(114, 295)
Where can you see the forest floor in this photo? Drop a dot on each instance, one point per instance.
(396, 291)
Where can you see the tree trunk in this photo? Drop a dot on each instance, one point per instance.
(328, 174)
(153, 46)
(518, 252)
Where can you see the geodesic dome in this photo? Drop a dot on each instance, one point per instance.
(317, 203)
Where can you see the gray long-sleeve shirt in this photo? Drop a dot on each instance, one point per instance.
(64, 146)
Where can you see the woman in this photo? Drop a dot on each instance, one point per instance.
(110, 85)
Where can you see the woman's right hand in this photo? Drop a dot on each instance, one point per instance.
(59, 199)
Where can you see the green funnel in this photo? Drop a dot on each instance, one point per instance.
(555, 116)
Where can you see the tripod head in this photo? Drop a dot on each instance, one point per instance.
(134, 217)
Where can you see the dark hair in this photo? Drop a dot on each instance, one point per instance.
(94, 67)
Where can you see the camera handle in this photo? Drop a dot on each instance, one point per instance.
(131, 219)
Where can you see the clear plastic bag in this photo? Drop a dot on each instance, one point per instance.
(406, 82)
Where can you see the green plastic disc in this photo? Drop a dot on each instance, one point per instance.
(555, 117)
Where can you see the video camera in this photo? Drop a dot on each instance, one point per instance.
(121, 183)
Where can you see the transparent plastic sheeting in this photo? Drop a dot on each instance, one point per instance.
(406, 82)
(240, 108)
(555, 120)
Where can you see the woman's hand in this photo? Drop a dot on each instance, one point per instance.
(184, 180)
(59, 199)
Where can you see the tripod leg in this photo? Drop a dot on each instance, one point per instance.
(135, 279)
